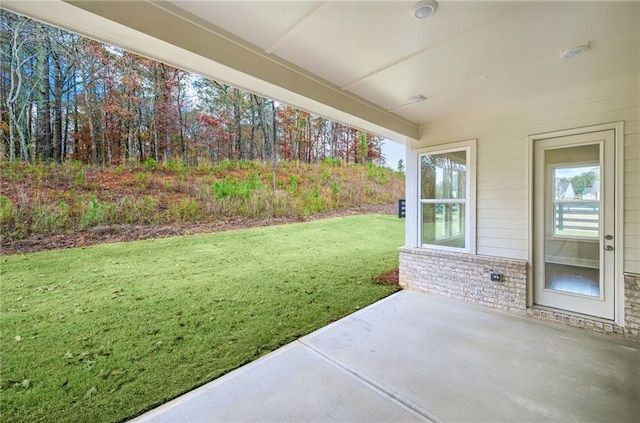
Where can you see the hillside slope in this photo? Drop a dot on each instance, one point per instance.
(48, 206)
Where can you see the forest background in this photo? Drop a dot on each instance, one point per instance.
(66, 97)
(97, 141)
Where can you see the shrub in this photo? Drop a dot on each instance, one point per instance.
(8, 215)
(176, 166)
(221, 189)
(120, 169)
(143, 179)
(147, 210)
(231, 188)
(93, 215)
(247, 164)
(187, 209)
(149, 162)
(314, 202)
(137, 211)
(50, 217)
(293, 183)
(332, 162)
(378, 174)
(79, 179)
(335, 188)
(127, 212)
(223, 167)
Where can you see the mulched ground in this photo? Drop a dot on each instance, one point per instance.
(124, 233)
(390, 278)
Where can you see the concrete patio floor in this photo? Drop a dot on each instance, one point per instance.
(417, 357)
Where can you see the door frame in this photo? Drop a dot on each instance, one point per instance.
(618, 128)
(598, 146)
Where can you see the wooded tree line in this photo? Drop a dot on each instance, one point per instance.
(65, 97)
(579, 183)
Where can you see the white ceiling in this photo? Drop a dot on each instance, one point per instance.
(360, 61)
(378, 51)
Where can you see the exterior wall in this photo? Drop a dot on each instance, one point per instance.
(632, 196)
(632, 303)
(465, 277)
(631, 327)
(502, 199)
(503, 160)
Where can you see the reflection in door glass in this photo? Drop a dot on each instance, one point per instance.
(572, 228)
(576, 201)
(572, 279)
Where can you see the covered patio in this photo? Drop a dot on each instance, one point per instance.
(418, 357)
(492, 90)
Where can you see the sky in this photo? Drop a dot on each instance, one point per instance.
(393, 152)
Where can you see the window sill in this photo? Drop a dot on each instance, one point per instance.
(444, 248)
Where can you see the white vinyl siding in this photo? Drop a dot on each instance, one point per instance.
(503, 158)
(632, 197)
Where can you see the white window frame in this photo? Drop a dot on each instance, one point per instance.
(470, 195)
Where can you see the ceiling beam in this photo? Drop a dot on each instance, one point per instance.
(293, 30)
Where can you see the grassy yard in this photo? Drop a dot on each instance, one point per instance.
(104, 333)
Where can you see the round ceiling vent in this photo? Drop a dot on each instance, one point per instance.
(424, 9)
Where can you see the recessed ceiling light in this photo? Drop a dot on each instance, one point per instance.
(480, 78)
(574, 51)
(424, 9)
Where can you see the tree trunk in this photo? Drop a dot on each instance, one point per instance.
(92, 128)
(237, 117)
(58, 92)
(264, 146)
(274, 133)
(76, 123)
(18, 98)
(253, 130)
(43, 136)
(183, 147)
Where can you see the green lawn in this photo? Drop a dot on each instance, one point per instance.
(106, 332)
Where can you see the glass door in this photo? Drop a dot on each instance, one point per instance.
(573, 223)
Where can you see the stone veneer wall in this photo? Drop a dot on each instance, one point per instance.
(632, 304)
(631, 313)
(466, 277)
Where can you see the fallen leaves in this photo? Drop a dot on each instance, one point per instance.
(91, 392)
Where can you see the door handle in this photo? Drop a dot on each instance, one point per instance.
(608, 248)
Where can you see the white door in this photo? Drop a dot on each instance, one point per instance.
(573, 217)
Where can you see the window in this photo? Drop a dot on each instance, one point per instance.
(446, 198)
(576, 201)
